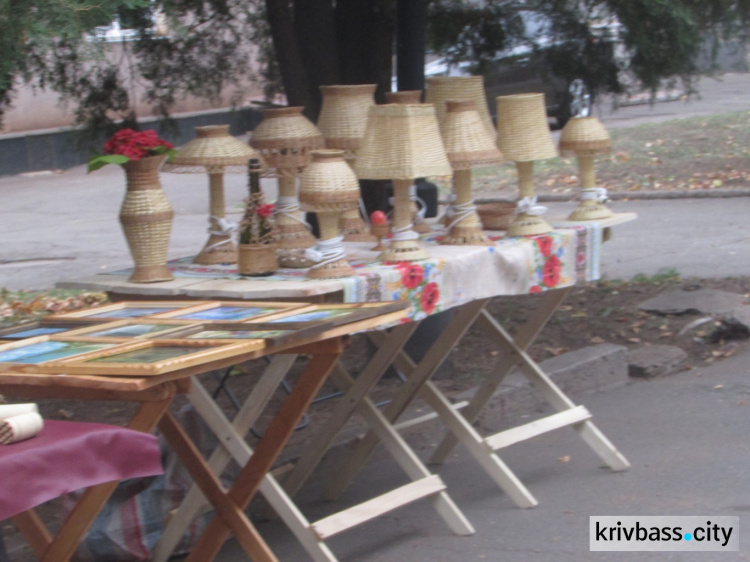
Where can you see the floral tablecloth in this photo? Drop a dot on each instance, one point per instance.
(453, 275)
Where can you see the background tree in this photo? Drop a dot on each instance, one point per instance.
(298, 45)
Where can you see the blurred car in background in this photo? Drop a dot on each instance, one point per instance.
(538, 61)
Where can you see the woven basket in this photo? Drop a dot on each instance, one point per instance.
(522, 128)
(440, 89)
(328, 183)
(496, 216)
(343, 115)
(256, 260)
(285, 138)
(146, 219)
(584, 136)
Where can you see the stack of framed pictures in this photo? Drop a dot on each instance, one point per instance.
(152, 338)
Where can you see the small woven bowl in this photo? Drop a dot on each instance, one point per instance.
(496, 216)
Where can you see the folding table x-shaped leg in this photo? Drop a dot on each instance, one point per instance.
(483, 449)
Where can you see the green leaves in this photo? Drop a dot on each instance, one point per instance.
(101, 161)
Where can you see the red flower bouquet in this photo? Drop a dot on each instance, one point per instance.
(127, 144)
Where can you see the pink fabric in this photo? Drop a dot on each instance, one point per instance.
(68, 456)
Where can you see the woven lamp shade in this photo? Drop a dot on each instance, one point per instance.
(402, 142)
(285, 138)
(440, 89)
(328, 183)
(404, 96)
(343, 116)
(467, 143)
(212, 150)
(522, 129)
(584, 136)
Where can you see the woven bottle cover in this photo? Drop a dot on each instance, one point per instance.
(343, 116)
(443, 88)
(404, 96)
(401, 142)
(467, 143)
(285, 138)
(584, 136)
(213, 150)
(522, 130)
(328, 183)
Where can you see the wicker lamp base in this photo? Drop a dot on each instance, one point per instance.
(293, 236)
(151, 274)
(354, 229)
(218, 249)
(589, 211)
(404, 250)
(293, 258)
(528, 225)
(334, 270)
(466, 236)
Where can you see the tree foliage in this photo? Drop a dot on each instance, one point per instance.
(298, 45)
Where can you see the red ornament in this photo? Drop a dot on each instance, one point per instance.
(378, 217)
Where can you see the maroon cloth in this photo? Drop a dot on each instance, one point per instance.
(67, 456)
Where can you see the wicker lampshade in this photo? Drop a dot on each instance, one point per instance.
(404, 96)
(328, 183)
(467, 143)
(343, 116)
(213, 150)
(285, 138)
(522, 129)
(443, 88)
(401, 142)
(584, 136)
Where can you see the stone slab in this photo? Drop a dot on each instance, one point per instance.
(651, 361)
(702, 301)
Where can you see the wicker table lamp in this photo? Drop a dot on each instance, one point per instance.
(216, 152)
(285, 138)
(440, 89)
(401, 143)
(328, 187)
(342, 122)
(404, 97)
(523, 136)
(585, 137)
(468, 145)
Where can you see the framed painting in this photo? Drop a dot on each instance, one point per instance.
(227, 332)
(122, 310)
(34, 351)
(232, 311)
(335, 314)
(40, 328)
(151, 357)
(126, 330)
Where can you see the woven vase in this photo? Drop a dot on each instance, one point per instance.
(146, 219)
(256, 260)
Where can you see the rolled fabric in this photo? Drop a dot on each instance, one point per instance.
(20, 427)
(10, 410)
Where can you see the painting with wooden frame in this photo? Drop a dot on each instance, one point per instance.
(232, 311)
(122, 310)
(227, 332)
(41, 349)
(333, 314)
(42, 327)
(148, 357)
(126, 330)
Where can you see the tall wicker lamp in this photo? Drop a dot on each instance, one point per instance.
(440, 89)
(401, 143)
(328, 187)
(342, 122)
(523, 136)
(405, 97)
(468, 145)
(216, 152)
(285, 138)
(585, 138)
